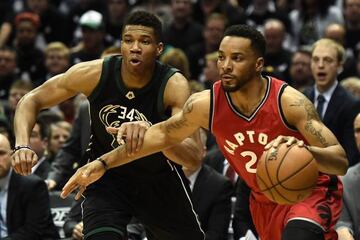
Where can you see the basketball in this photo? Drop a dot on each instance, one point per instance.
(287, 174)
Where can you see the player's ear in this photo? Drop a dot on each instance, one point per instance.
(259, 64)
(160, 48)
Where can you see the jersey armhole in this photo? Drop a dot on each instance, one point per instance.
(107, 66)
(211, 108)
(160, 100)
(287, 124)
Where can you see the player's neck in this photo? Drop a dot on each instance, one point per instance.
(250, 95)
(136, 79)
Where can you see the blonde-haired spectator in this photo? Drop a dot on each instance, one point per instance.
(57, 59)
(211, 72)
(352, 84)
(176, 58)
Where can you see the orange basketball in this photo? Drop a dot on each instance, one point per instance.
(287, 175)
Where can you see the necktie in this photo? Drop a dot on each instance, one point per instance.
(320, 105)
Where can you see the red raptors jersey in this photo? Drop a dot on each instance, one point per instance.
(242, 138)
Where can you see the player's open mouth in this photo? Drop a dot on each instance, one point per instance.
(135, 62)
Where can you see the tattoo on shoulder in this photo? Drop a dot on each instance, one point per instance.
(311, 116)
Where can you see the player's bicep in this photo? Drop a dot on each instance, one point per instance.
(81, 78)
(177, 92)
(50, 93)
(301, 113)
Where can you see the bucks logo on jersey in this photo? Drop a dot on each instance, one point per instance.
(115, 115)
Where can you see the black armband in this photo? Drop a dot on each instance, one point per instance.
(106, 167)
(21, 147)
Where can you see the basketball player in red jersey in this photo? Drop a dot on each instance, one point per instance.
(247, 112)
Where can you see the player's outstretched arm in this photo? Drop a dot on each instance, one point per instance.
(195, 114)
(301, 113)
(80, 78)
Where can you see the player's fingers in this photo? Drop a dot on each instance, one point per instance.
(129, 131)
(80, 192)
(141, 139)
(112, 130)
(70, 186)
(29, 160)
(120, 135)
(290, 140)
(301, 143)
(135, 139)
(15, 162)
(23, 162)
(269, 145)
(34, 159)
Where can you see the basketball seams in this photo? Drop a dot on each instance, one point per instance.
(269, 174)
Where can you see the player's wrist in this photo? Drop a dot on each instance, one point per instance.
(103, 162)
(24, 146)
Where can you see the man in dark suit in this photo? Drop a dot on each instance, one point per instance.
(211, 195)
(25, 208)
(335, 105)
(69, 156)
(38, 142)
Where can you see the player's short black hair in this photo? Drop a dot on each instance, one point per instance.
(257, 39)
(145, 19)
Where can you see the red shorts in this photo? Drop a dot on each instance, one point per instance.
(322, 207)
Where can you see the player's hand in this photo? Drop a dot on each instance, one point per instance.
(83, 177)
(133, 133)
(23, 160)
(288, 140)
(77, 231)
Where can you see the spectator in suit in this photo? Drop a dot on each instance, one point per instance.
(69, 156)
(277, 58)
(211, 194)
(300, 76)
(39, 142)
(58, 133)
(348, 227)
(337, 108)
(25, 208)
(242, 220)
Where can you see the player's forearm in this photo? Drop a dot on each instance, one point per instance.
(155, 140)
(24, 120)
(330, 160)
(188, 153)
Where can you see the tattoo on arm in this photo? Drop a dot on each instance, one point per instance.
(188, 107)
(311, 115)
(182, 121)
